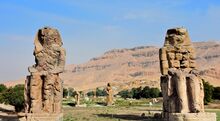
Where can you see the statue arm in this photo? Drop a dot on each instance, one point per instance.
(32, 69)
(61, 62)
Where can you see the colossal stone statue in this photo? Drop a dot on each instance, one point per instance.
(177, 63)
(109, 97)
(77, 98)
(181, 85)
(43, 88)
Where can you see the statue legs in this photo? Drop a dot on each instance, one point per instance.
(186, 95)
(36, 93)
(52, 94)
(43, 93)
(58, 92)
(181, 91)
(194, 91)
(27, 100)
(47, 94)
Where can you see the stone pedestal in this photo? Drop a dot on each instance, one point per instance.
(44, 117)
(192, 117)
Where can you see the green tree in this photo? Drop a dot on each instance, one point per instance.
(154, 92)
(148, 92)
(91, 93)
(216, 93)
(136, 92)
(71, 92)
(208, 91)
(65, 92)
(125, 94)
(100, 92)
(145, 93)
(14, 96)
(2, 88)
(68, 92)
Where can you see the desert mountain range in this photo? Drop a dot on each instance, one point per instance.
(138, 66)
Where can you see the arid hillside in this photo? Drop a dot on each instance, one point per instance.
(135, 67)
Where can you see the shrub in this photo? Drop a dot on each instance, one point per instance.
(208, 91)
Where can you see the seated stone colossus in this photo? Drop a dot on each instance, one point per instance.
(43, 87)
(181, 85)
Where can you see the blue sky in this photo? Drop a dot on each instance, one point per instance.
(91, 27)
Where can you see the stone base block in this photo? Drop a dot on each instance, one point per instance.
(44, 117)
(192, 117)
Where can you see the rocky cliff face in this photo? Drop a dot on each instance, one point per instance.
(208, 58)
(137, 66)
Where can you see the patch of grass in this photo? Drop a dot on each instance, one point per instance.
(133, 103)
(124, 109)
(217, 111)
(88, 102)
(68, 117)
(218, 115)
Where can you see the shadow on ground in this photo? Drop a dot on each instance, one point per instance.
(101, 103)
(129, 117)
(5, 110)
(10, 117)
(71, 104)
